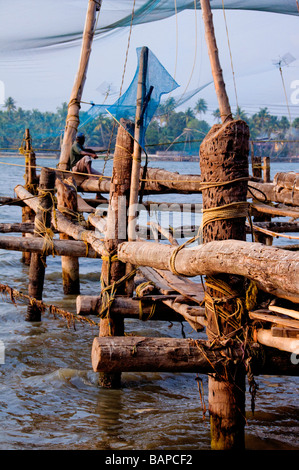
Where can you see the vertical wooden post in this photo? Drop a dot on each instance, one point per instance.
(224, 158)
(266, 169)
(67, 203)
(31, 185)
(117, 220)
(72, 120)
(257, 167)
(136, 165)
(42, 225)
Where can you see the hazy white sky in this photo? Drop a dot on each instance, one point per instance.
(43, 79)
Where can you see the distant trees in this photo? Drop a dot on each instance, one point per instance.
(169, 129)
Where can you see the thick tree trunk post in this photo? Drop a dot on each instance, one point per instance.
(224, 158)
(136, 165)
(112, 269)
(72, 119)
(67, 204)
(30, 184)
(42, 225)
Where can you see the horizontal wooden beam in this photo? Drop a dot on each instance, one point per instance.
(275, 270)
(57, 247)
(144, 354)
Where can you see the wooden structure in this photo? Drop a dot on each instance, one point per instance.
(247, 302)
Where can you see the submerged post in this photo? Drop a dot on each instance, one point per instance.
(42, 226)
(224, 167)
(72, 120)
(113, 269)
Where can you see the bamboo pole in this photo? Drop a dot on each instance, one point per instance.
(136, 165)
(72, 119)
(42, 225)
(224, 106)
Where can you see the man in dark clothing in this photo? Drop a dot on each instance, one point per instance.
(80, 158)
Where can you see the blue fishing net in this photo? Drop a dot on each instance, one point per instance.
(158, 83)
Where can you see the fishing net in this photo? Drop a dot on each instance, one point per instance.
(36, 24)
(158, 82)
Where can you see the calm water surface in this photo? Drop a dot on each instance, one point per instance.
(49, 394)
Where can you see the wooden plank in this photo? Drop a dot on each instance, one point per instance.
(265, 315)
(83, 206)
(152, 275)
(189, 289)
(284, 311)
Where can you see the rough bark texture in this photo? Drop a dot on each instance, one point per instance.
(274, 270)
(144, 354)
(113, 270)
(223, 159)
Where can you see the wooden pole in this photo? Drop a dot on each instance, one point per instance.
(144, 354)
(31, 184)
(136, 165)
(224, 158)
(116, 232)
(72, 120)
(224, 106)
(67, 204)
(42, 225)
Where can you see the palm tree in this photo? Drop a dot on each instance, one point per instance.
(240, 114)
(216, 114)
(10, 104)
(189, 114)
(201, 106)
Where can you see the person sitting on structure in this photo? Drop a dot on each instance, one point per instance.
(80, 157)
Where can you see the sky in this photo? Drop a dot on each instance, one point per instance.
(43, 78)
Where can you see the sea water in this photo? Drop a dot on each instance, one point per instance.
(49, 395)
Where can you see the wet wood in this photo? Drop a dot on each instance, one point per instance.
(274, 270)
(143, 354)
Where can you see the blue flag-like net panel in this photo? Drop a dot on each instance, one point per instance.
(33, 24)
(158, 82)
